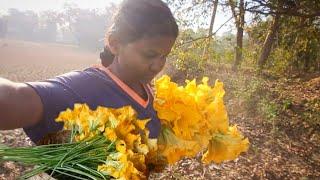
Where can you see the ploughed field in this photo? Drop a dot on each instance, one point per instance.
(22, 61)
(285, 147)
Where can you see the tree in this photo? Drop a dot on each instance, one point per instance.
(210, 33)
(267, 45)
(22, 25)
(48, 26)
(301, 8)
(88, 26)
(307, 9)
(192, 12)
(3, 27)
(238, 12)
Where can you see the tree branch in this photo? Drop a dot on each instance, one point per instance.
(205, 37)
(283, 12)
(234, 14)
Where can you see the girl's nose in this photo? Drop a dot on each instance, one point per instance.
(158, 64)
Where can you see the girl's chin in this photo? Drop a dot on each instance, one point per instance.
(146, 80)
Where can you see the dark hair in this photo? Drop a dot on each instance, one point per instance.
(136, 19)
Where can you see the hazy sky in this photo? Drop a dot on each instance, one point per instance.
(41, 5)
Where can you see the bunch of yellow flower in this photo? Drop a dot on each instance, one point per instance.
(112, 143)
(120, 126)
(194, 118)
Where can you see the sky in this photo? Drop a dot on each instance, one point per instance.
(57, 5)
(41, 5)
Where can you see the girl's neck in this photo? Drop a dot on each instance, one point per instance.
(123, 75)
(136, 85)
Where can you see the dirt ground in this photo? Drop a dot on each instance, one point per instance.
(28, 61)
(288, 147)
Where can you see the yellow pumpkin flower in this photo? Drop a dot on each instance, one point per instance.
(138, 161)
(141, 124)
(195, 113)
(224, 147)
(110, 134)
(67, 117)
(118, 125)
(140, 147)
(119, 166)
(174, 148)
(121, 146)
(115, 165)
(193, 117)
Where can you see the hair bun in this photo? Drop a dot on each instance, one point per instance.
(106, 57)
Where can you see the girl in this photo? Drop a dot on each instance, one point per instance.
(137, 44)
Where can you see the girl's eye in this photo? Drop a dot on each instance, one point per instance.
(164, 57)
(150, 55)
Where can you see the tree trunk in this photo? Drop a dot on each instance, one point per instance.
(3, 27)
(240, 25)
(214, 12)
(267, 45)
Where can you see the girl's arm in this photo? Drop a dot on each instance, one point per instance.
(20, 105)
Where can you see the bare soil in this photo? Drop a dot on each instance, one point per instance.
(286, 146)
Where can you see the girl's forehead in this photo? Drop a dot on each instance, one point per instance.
(163, 43)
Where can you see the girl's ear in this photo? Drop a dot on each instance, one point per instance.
(113, 44)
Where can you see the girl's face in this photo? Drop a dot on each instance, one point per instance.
(144, 59)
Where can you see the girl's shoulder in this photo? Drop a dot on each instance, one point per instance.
(82, 78)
